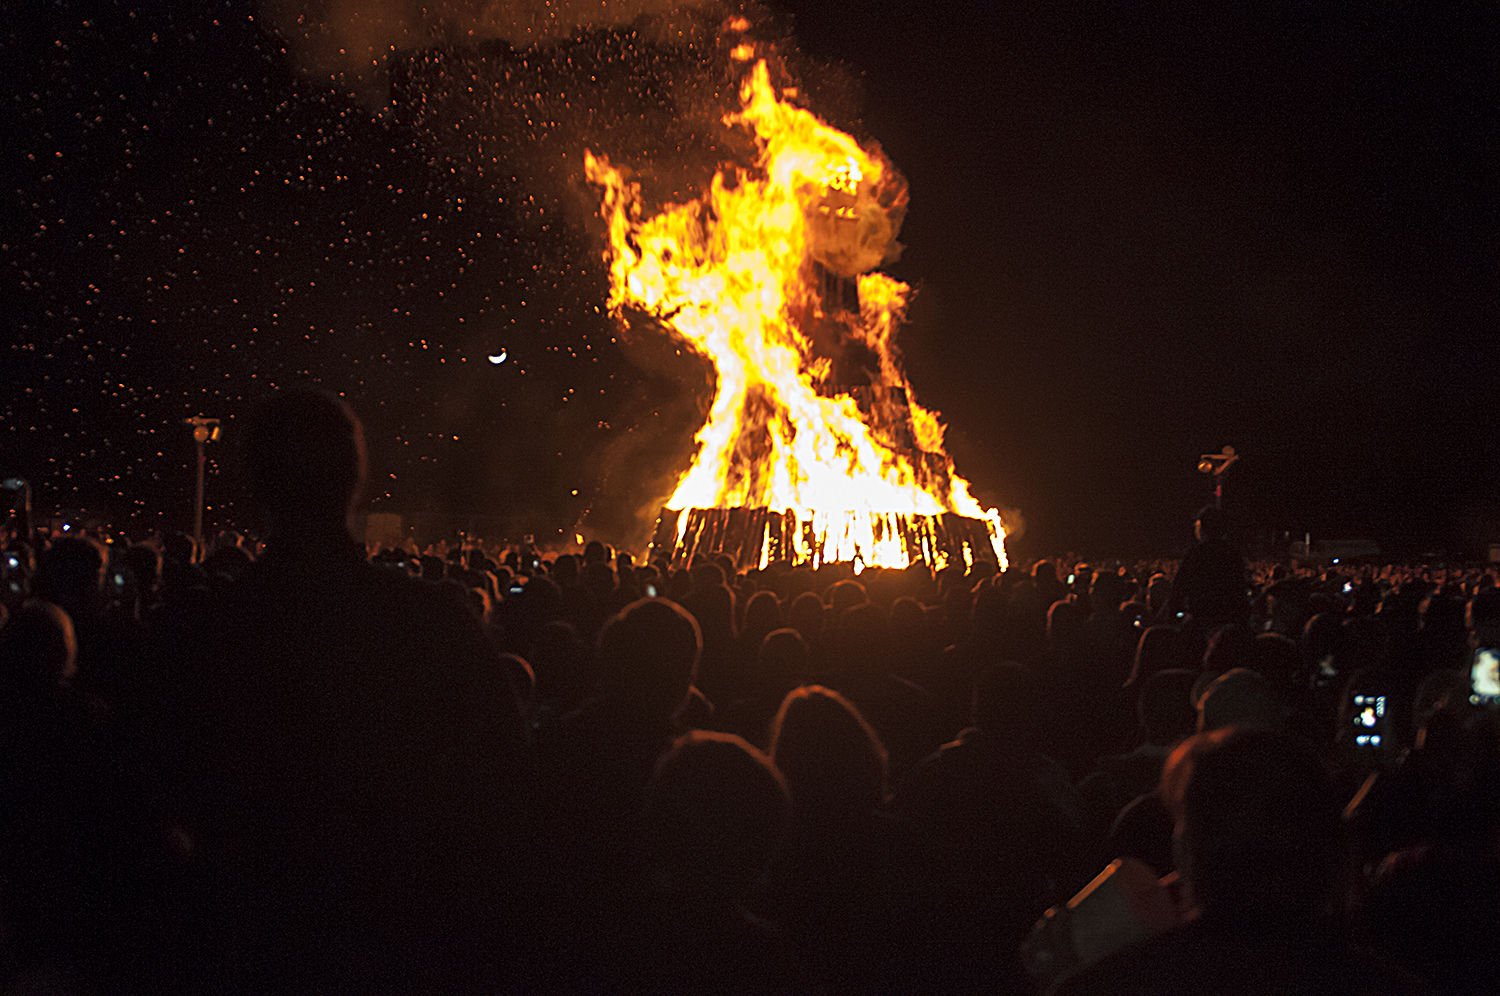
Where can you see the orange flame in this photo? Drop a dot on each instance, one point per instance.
(755, 275)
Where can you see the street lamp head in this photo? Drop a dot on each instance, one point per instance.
(1217, 463)
(205, 430)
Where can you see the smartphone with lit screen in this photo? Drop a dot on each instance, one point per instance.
(1484, 677)
(1370, 716)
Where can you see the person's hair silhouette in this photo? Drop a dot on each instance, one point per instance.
(305, 452)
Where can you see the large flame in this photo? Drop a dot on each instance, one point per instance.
(756, 275)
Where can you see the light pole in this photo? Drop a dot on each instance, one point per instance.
(205, 431)
(1216, 464)
(20, 505)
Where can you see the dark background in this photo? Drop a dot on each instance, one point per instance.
(1138, 232)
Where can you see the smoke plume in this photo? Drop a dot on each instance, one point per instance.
(348, 42)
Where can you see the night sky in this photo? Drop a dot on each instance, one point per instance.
(1138, 232)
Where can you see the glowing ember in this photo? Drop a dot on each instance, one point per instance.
(772, 276)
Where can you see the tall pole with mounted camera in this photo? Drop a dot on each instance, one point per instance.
(1217, 464)
(205, 431)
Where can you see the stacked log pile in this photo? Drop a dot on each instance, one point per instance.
(751, 536)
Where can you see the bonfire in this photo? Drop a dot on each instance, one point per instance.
(815, 449)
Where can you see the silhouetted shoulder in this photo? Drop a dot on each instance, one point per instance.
(1200, 958)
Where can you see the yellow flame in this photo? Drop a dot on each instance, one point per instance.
(755, 275)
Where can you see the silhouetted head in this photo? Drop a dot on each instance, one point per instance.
(833, 761)
(1107, 590)
(305, 451)
(707, 574)
(145, 563)
(713, 606)
(479, 603)
(1155, 651)
(1258, 829)
(716, 813)
(648, 657)
(1320, 637)
(1158, 590)
(762, 614)
(566, 570)
(1459, 750)
(1044, 572)
(908, 619)
(1275, 658)
(521, 679)
(806, 616)
(599, 578)
(863, 638)
(71, 575)
(1443, 615)
(1483, 616)
(1228, 648)
(433, 567)
(1241, 698)
(783, 655)
(1365, 644)
(38, 651)
(1065, 621)
(846, 594)
(1165, 707)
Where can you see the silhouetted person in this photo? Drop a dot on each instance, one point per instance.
(353, 754)
(833, 888)
(715, 815)
(1242, 698)
(1432, 905)
(831, 758)
(1048, 584)
(1000, 826)
(762, 615)
(602, 754)
(712, 605)
(71, 849)
(780, 666)
(859, 664)
(1164, 710)
(1155, 651)
(1212, 583)
(38, 653)
(1263, 859)
(806, 615)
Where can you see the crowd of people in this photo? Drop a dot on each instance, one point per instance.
(300, 765)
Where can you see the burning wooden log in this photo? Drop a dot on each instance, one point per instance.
(755, 537)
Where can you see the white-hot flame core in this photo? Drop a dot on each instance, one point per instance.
(739, 274)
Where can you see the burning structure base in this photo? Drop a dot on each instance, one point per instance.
(755, 537)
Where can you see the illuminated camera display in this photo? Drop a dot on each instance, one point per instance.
(1369, 720)
(1484, 677)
